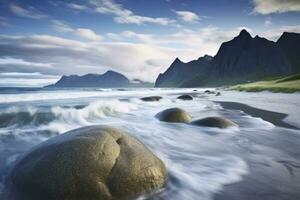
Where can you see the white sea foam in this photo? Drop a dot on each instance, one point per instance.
(199, 177)
(75, 94)
(16, 109)
(69, 118)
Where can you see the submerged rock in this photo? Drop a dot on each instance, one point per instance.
(209, 92)
(151, 98)
(174, 115)
(218, 94)
(96, 162)
(185, 97)
(218, 122)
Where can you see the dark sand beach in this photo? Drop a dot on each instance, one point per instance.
(272, 177)
(275, 118)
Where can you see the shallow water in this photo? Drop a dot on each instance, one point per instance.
(202, 162)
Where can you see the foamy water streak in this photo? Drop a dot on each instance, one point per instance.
(75, 94)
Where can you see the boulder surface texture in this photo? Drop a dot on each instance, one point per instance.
(95, 162)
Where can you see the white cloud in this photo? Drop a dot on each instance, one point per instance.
(61, 26)
(125, 16)
(4, 21)
(206, 40)
(274, 34)
(268, 22)
(88, 34)
(276, 6)
(29, 12)
(82, 32)
(77, 6)
(144, 58)
(17, 74)
(114, 36)
(70, 56)
(188, 16)
(17, 79)
(14, 61)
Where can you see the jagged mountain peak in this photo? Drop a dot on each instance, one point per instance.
(177, 60)
(239, 60)
(244, 34)
(288, 36)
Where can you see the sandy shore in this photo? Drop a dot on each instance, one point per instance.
(288, 104)
(267, 178)
(275, 118)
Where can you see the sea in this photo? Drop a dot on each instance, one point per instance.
(257, 160)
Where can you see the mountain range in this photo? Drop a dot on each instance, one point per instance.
(242, 59)
(109, 79)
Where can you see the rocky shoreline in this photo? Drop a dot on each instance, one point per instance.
(108, 163)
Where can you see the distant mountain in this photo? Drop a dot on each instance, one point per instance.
(109, 79)
(239, 60)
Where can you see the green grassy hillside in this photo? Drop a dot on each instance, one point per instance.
(287, 84)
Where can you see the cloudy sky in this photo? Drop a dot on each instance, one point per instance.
(42, 40)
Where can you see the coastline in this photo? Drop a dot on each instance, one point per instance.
(275, 118)
(284, 103)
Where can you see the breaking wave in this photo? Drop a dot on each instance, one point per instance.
(16, 117)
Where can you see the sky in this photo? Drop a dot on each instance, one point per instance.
(40, 40)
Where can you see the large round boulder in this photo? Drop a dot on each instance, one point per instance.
(218, 122)
(151, 98)
(96, 162)
(174, 115)
(185, 97)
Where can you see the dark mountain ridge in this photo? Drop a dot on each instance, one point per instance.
(289, 43)
(239, 60)
(108, 79)
(179, 71)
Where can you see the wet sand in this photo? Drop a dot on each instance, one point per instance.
(275, 118)
(274, 179)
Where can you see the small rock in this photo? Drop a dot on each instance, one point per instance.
(174, 115)
(151, 98)
(218, 122)
(185, 97)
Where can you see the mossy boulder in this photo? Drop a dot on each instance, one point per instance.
(185, 97)
(96, 162)
(218, 122)
(174, 115)
(151, 98)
